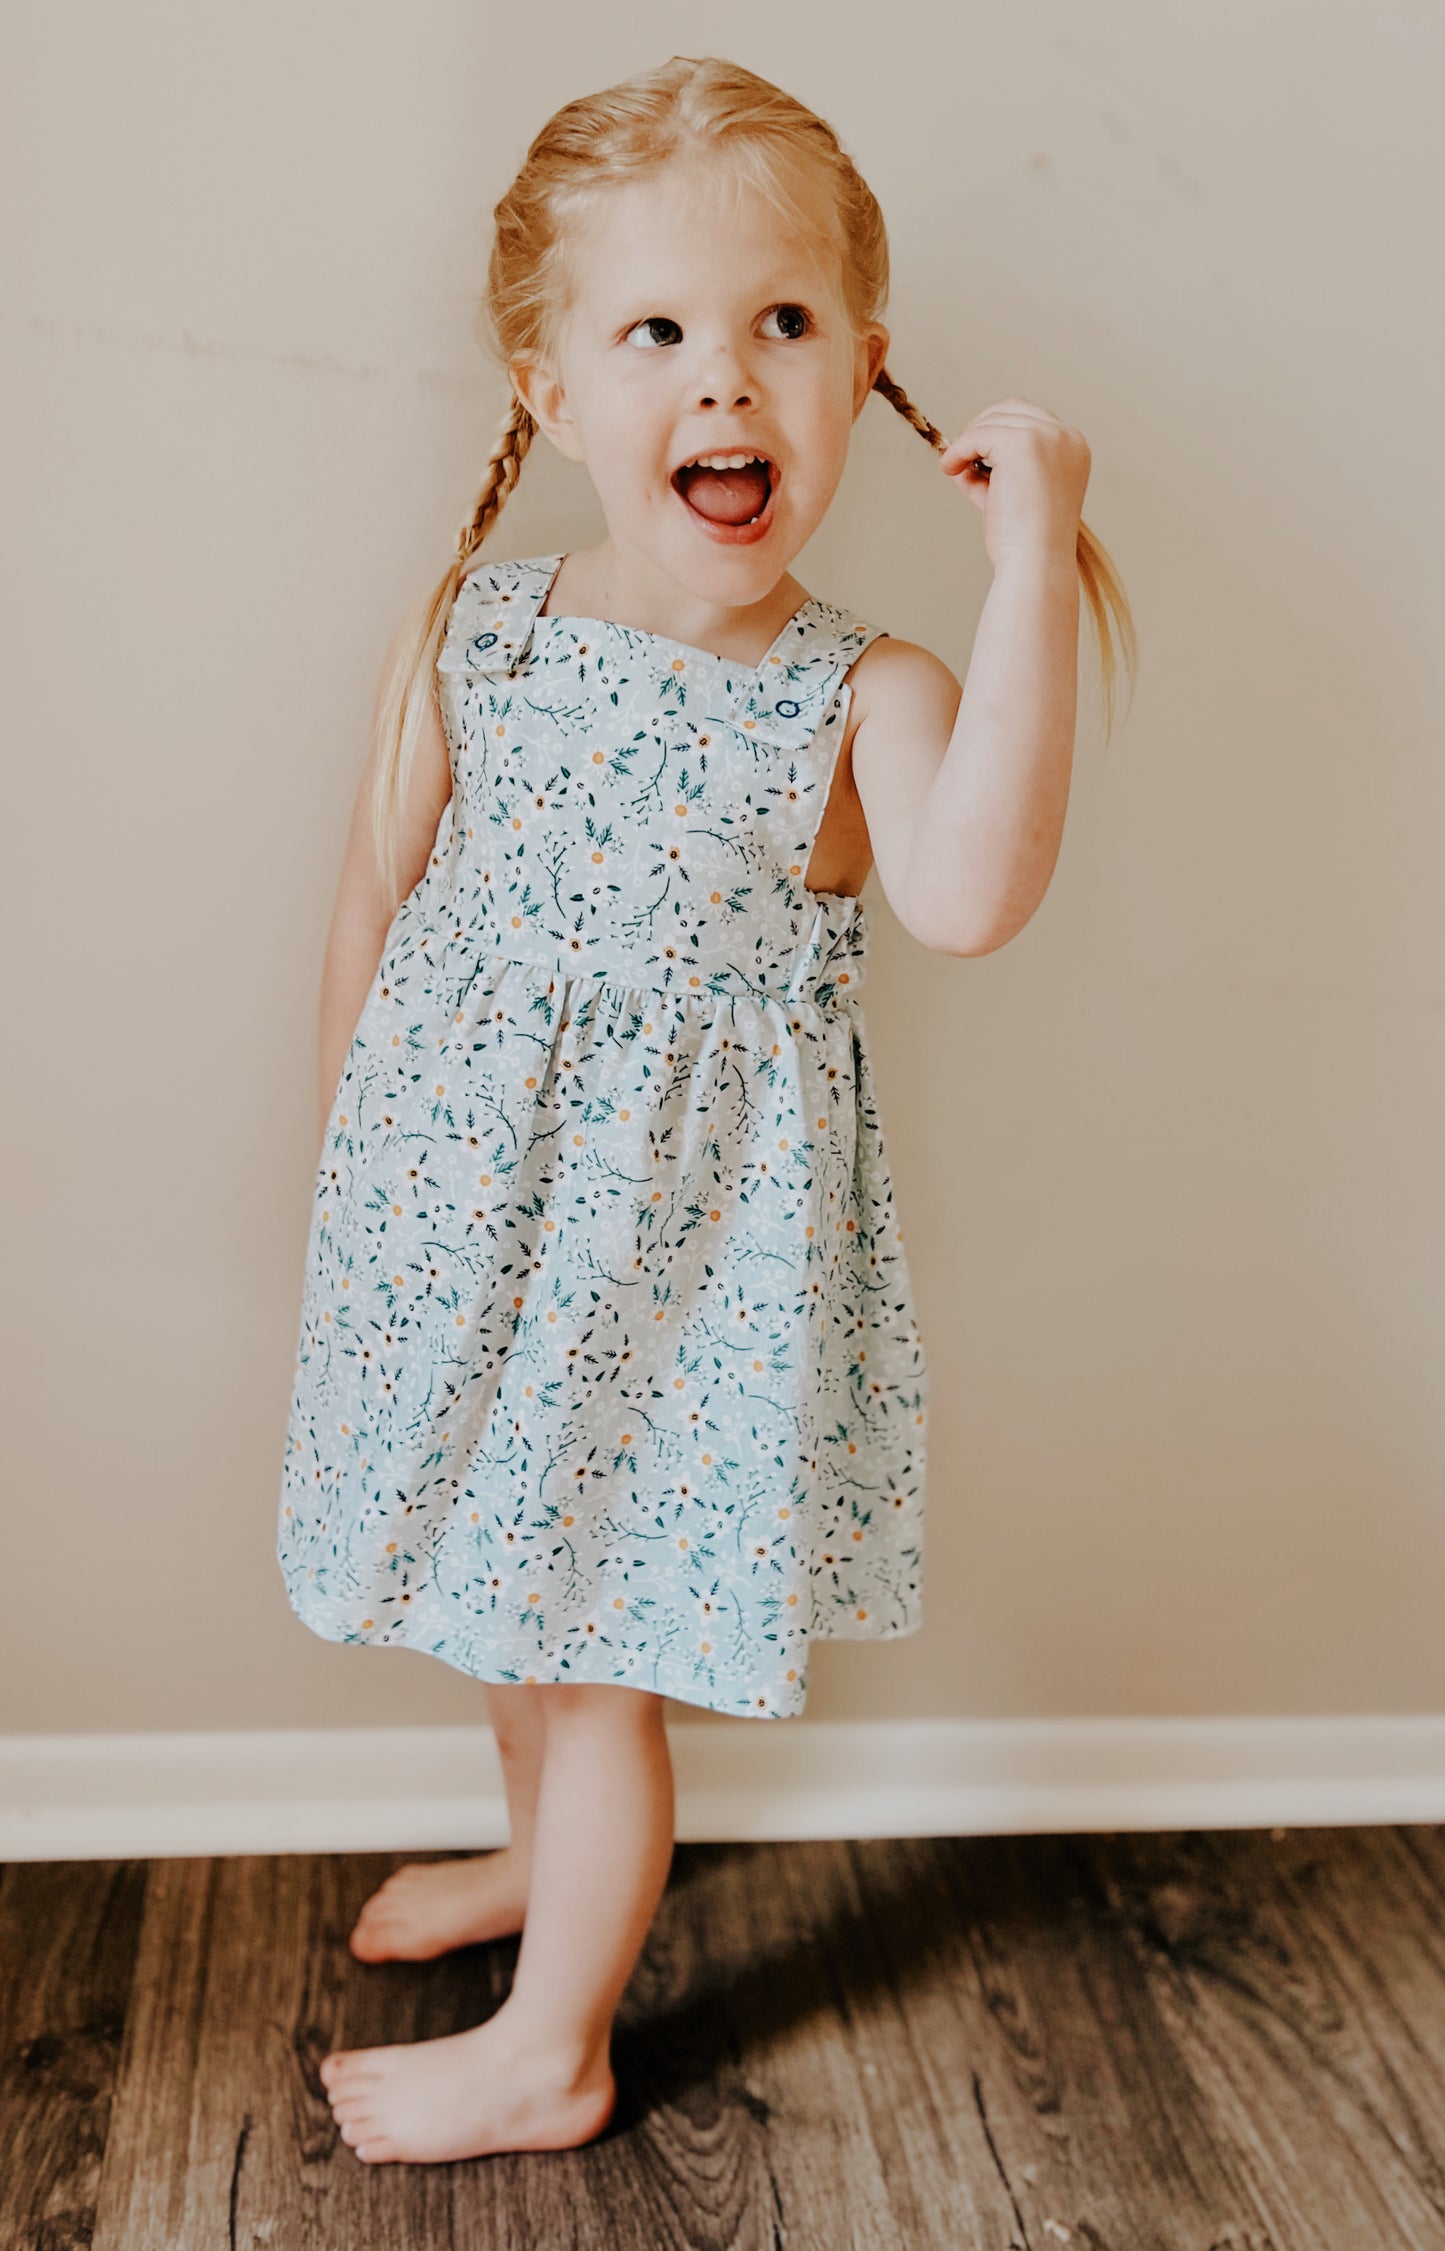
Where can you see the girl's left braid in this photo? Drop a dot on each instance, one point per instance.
(504, 463)
(1101, 588)
(897, 396)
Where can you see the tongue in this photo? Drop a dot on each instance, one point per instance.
(725, 496)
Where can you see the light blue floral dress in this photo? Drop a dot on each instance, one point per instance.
(608, 1365)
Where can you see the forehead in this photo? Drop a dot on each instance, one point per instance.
(701, 230)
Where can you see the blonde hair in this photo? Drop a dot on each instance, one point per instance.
(688, 106)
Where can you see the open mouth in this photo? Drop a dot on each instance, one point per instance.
(728, 495)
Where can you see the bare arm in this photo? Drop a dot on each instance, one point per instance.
(361, 917)
(965, 791)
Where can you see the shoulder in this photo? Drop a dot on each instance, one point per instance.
(508, 578)
(496, 593)
(898, 684)
(506, 570)
(889, 658)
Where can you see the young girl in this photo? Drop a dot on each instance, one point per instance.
(609, 1385)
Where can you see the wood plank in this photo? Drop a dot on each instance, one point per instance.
(781, 2035)
(69, 1939)
(1054, 2084)
(1137, 2155)
(223, 2132)
(1188, 2042)
(1257, 2011)
(891, 1954)
(1368, 1913)
(142, 2195)
(698, 2175)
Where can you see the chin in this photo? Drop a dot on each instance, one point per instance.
(728, 571)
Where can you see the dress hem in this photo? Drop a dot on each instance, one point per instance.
(666, 1679)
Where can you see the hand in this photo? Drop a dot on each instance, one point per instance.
(1032, 482)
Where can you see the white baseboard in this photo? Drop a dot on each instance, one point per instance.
(113, 1797)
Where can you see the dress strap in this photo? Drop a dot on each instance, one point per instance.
(799, 687)
(490, 625)
(785, 701)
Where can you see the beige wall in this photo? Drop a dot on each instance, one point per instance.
(1170, 1162)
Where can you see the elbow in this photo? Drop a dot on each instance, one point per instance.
(945, 936)
(947, 926)
(958, 917)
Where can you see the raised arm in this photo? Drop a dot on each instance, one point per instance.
(965, 789)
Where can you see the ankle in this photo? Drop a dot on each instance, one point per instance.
(563, 2058)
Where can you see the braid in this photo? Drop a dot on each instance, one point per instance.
(504, 462)
(689, 106)
(411, 680)
(895, 394)
(1100, 582)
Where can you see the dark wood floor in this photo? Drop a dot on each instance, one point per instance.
(1224, 2041)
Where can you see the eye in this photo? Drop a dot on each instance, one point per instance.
(796, 317)
(653, 320)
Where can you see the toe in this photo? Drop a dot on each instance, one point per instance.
(349, 2074)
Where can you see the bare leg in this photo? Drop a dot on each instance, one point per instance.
(537, 2074)
(603, 1849)
(429, 1906)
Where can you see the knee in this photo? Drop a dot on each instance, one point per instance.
(515, 1717)
(601, 1704)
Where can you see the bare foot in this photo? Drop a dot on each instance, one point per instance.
(468, 2095)
(430, 1906)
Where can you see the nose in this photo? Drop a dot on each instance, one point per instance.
(722, 376)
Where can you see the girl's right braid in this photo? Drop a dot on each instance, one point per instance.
(503, 465)
(413, 677)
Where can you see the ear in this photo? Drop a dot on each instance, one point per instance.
(539, 387)
(873, 342)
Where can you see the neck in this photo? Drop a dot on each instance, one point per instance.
(627, 589)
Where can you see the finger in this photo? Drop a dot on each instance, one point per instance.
(967, 446)
(974, 437)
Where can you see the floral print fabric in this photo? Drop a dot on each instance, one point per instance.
(608, 1365)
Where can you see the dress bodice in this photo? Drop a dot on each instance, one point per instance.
(631, 807)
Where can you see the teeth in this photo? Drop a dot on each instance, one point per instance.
(721, 460)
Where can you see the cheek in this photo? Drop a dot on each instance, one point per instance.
(828, 429)
(621, 444)
(828, 411)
